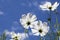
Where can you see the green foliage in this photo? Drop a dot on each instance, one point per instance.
(58, 33)
(3, 36)
(26, 31)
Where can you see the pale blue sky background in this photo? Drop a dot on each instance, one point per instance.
(11, 11)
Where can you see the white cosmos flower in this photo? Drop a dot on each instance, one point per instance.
(28, 20)
(40, 29)
(17, 36)
(48, 6)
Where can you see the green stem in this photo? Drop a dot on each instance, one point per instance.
(49, 21)
(57, 25)
(56, 37)
(26, 31)
(3, 36)
(40, 38)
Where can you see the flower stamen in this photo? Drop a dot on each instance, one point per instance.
(50, 8)
(28, 23)
(40, 31)
(15, 38)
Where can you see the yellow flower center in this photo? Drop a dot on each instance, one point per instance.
(28, 23)
(15, 38)
(40, 30)
(50, 8)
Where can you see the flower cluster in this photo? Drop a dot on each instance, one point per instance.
(37, 27)
(29, 20)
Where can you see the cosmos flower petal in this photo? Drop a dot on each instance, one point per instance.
(42, 34)
(39, 22)
(48, 4)
(55, 6)
(23, 16)
(45, 9)
(13, 34)
(42, 7)
(33, 24)
(36, 34)
(34, 30)
(29, 15)
(24, 36)
(45, 6)
(45, 24)
(33, 18)
(22, 21)
(26, 27)
(46, 29)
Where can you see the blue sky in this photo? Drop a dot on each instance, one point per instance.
(11, 11)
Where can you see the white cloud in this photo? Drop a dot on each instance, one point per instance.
(15, 26)
(35, 3)
(1, 13)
